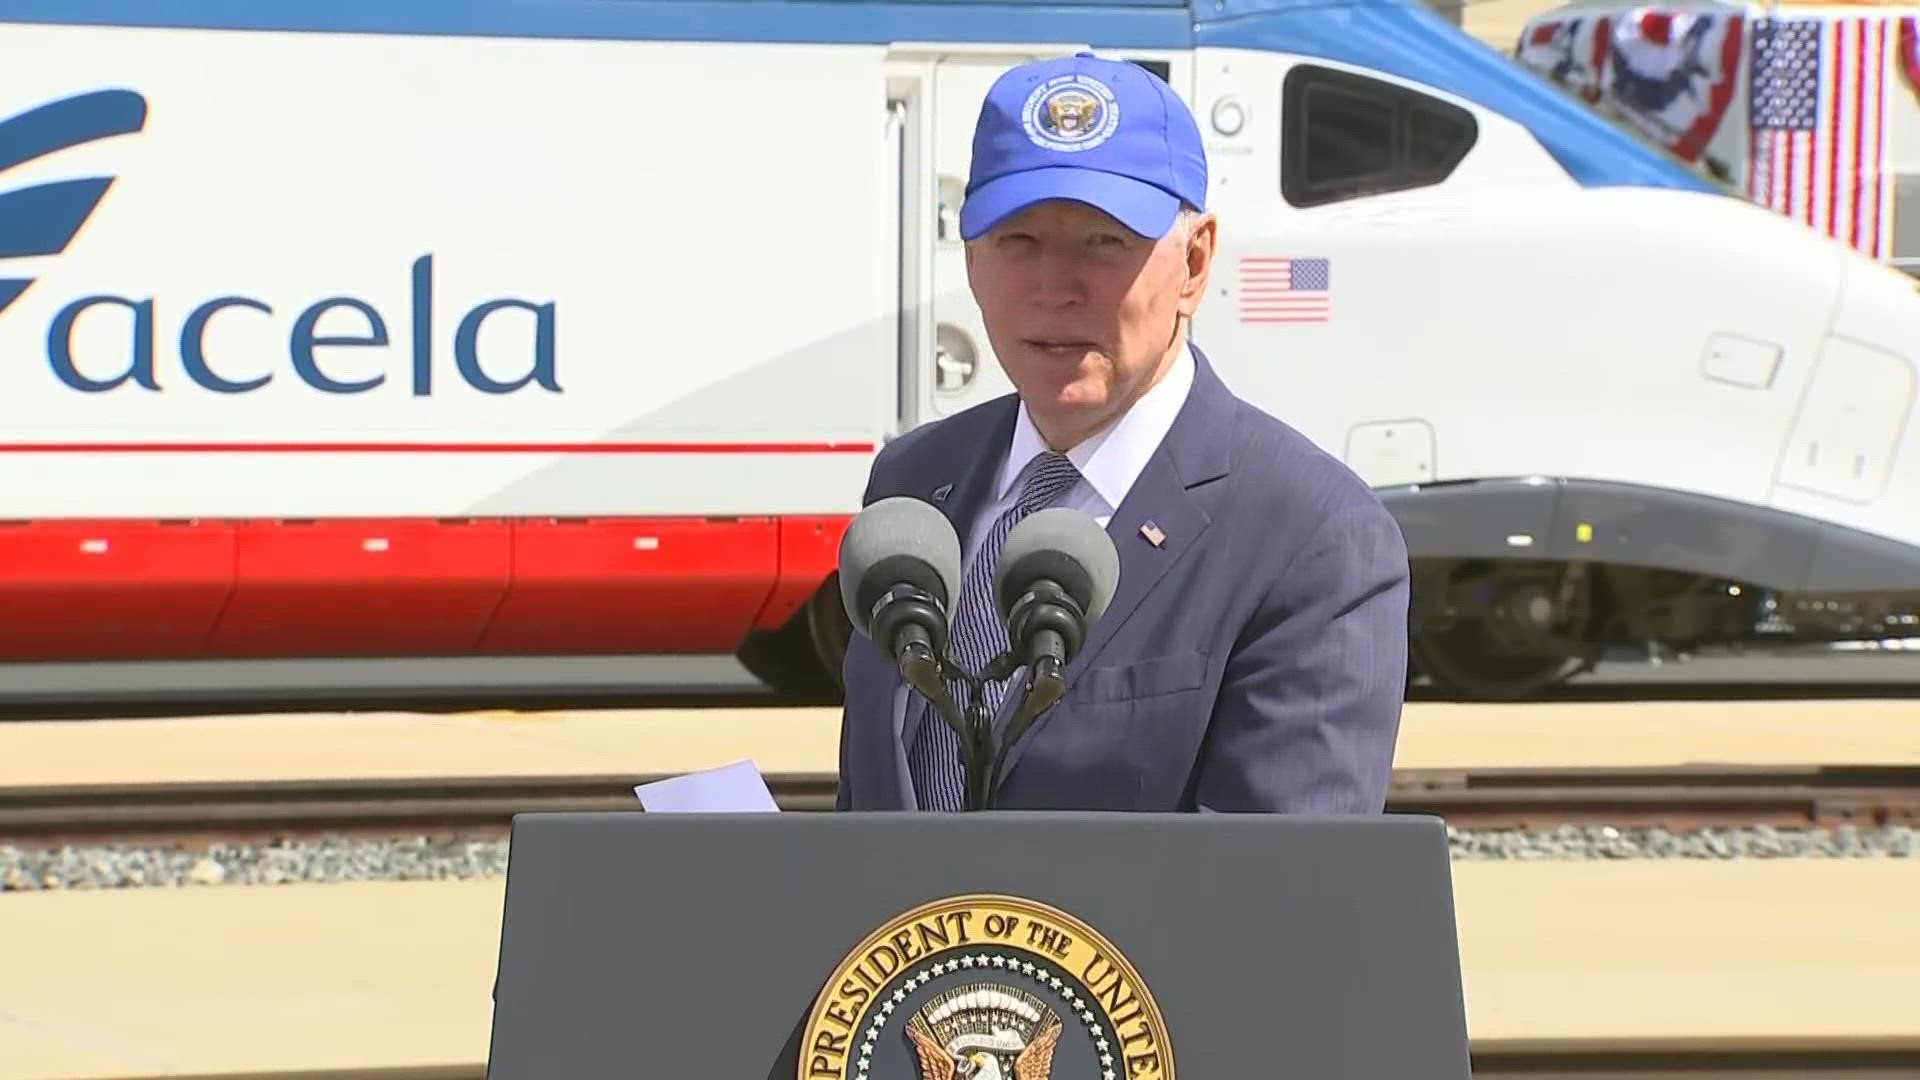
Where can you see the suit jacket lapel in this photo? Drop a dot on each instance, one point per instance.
(1159, 503)
(1159, 499)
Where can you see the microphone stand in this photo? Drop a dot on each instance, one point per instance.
(1043, 687)
(974, 725)
(1050, 621)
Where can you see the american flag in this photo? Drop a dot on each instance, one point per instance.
(1283, 290)
(1819, 125)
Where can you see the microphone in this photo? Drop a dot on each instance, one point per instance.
(1057, 574)
(899, 580)
(899, 576)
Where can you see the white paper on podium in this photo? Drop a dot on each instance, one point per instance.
(735, 788)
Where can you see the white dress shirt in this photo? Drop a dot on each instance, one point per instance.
(1109, 461)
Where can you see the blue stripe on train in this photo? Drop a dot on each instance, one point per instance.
(1398, 37)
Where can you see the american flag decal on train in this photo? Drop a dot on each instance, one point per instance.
(1819, 126)
(1274, 289)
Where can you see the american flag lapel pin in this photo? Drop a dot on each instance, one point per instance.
(1153, 534)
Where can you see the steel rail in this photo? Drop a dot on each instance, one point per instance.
(89, 700)
(1679, 1059)
(1682, 1058)
(1681, 797)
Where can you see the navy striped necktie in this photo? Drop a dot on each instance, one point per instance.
(938, 767)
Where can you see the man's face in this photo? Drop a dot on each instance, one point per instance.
(1082, 311)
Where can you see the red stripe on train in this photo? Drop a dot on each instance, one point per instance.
(403, 587)
(432, 448)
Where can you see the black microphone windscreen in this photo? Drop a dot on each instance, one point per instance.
(1066, 546)
(897, 540)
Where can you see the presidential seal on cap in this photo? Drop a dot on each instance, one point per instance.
(1106, 133)
(985, 987)
(1071, 113)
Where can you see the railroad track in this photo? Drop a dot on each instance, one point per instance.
(196, 701)
(1703, 1059)
(1678, 1060)
(1677, 798)
(46, 691)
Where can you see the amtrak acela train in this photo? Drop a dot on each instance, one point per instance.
(476, 327)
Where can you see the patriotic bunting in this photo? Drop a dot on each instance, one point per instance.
(1672, 72)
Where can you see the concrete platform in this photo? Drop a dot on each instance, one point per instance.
(302, 746)
(252, 980)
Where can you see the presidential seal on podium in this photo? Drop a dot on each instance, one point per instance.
(985, 987)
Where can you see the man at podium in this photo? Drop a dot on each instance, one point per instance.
(1252, 656)
(1215, 620)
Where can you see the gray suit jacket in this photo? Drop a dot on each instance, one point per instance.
(1254, 661)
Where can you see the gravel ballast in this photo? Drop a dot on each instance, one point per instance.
(28, 869)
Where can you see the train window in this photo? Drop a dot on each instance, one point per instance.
(1158, 67)
(1906, 223)
(1345, 135)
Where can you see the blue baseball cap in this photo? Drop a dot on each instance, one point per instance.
(1106, 133)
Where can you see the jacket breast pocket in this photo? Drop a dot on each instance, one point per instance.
(1153, 676)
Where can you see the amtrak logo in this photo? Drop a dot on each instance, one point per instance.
(43, 219)
(1071, 113)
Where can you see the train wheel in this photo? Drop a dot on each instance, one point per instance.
(803, 658)
(1500, 634)
(1459, 662)
(829, 630)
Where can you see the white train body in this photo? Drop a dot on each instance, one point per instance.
(464, 328)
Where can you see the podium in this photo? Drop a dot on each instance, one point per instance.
(986, 946)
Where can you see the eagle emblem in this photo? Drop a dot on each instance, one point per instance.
(984, 1031)
(1072, 113)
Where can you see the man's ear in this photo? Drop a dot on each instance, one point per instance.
(1202, 241)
